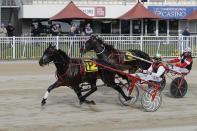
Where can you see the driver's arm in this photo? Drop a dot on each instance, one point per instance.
(185, 63)
(149, 70)
(174, 60)
(159, 72)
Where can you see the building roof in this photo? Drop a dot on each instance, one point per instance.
(137, 12)
(192, 16)
(69, 12)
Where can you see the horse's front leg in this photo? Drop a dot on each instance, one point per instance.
(51, 87)
(93, 89)
(81, 98)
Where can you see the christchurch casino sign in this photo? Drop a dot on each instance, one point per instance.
(96, 11)
(172, 12)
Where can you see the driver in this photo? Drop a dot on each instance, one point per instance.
(155, 71)
(182, 64)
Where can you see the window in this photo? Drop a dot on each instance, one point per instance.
(125, 26)
(173, 27)
(106, 27)
(151, 27)
(144, 0)
(162, 27)
(136, 27)
(115, 27)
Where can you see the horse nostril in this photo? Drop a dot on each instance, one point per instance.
(82, 50)
(44, 61)
(41, 62)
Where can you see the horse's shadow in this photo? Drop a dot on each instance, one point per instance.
(69, 101)
(102, 101)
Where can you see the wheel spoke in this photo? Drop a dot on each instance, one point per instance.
(174, 84)
(174, 89)
(177, 89)
(180, 92)
(177, 81)
(176, 94)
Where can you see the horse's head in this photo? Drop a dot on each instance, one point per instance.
(93, 43)
(48, 55)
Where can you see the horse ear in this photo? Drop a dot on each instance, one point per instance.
(54, 46)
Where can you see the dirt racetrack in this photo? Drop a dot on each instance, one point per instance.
(23, 84)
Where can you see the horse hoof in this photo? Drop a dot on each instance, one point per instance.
(87, 102)
(81, 102)
(43, 102)
(92, 102)
(128, 98)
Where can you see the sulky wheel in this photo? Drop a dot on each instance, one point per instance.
(134, 95)
(148, 104)
(177, 92)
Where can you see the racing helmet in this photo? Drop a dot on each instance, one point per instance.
(187, 50)
(157, 56)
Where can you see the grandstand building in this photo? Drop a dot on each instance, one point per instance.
(24, 13)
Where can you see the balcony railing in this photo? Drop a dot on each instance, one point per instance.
(160, 2)
(8, 3)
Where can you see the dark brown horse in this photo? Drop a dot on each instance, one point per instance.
(116, 57)
(73, 72)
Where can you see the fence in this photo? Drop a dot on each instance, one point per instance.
(33, 47)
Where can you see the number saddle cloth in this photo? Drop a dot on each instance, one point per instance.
(89, 65)
(128, 56)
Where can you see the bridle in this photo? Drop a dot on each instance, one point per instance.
(52, 51)
(101, 51)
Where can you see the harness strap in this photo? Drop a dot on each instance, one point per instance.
(118, 56)
(71, 63)
(61, 76)
(111, 55)
(80, 67)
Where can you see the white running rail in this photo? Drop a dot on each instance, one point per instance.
(33, 47)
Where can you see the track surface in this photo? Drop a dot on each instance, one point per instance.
(23, 84)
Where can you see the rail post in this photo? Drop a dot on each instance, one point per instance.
(57, 42)
(141, 42)
(182, 44)
(70, 48)
(13, 47)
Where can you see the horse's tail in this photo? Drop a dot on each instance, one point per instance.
(141, 54)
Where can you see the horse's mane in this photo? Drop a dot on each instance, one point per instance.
(64, 55)
(108, 47)
(143, 55)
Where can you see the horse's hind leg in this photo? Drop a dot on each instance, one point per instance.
(51, 87)
(119, 89)
(110, 81)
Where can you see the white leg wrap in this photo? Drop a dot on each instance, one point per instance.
(46, 95)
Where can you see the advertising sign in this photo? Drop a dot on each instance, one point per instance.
(172, 12)
(94, 11)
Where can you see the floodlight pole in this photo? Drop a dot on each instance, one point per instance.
(0, 14)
